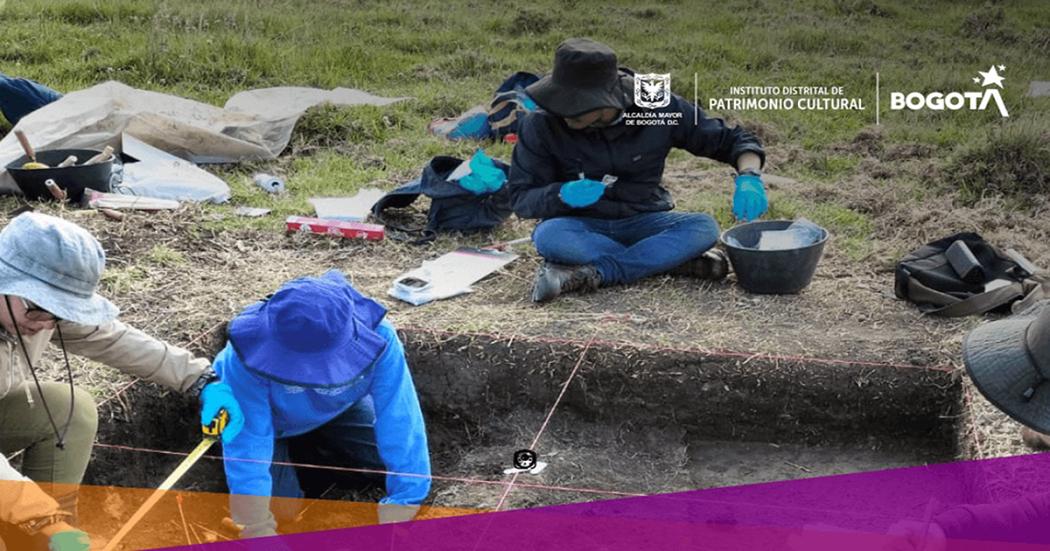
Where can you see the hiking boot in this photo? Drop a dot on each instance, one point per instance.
(555, 279)
(1035, 440)
(712, 265)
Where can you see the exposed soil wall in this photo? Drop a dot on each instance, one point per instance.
(471, 385)
(716, 396)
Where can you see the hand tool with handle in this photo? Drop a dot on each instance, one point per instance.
(107, 152)
(211, 434)
(57, 192)
(24, 140)
(70, 161)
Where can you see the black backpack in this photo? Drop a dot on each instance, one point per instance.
(951, 280)
(452, 208)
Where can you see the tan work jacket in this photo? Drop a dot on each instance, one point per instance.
(113, 344)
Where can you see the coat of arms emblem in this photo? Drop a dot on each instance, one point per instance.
(652, 90)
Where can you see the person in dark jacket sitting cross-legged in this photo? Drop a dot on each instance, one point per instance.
(589, 164)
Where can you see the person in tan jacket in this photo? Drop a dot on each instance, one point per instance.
(49, 271)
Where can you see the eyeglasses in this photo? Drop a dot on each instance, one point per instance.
(31, 307)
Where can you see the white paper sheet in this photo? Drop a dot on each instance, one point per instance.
(450, 275)
(348, 209)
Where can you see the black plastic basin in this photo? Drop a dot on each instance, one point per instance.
(73, 179)
(771, 272)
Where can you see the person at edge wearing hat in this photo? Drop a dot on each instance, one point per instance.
(1009, 362)
(49, 272)
(323, 380)
(594, 232)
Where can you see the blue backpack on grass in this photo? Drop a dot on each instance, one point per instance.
(503, 115)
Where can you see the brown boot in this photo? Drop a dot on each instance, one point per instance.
(712, 265)
(1035, 440)
(555, 279)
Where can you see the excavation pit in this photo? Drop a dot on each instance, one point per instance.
(632, 420)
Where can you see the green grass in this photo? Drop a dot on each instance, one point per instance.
(450, 56)
(119, 280)
(823, 166)
(163, 255)
(1012, 161)
(851, 229)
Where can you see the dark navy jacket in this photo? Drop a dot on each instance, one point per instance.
(549, 153)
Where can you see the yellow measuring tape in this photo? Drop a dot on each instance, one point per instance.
(211, 434)
(218, 424)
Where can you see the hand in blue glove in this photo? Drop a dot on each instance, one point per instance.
(217, 396)
(581, 193)
(749, 200)
(69, 540)
(484, 177)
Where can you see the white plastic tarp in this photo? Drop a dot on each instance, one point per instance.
(254, 125)
(165, 176)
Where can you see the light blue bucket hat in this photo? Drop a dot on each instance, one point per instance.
(55, 264)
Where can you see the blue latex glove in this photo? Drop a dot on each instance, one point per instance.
(70, 540)
(216, 396)
(749, 200)
(581, 193)
(484, 177)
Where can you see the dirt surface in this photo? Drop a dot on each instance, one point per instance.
(603, 461)
(847, 313)
(985, 431)
(177, 279)
(587, 460)
(716, 396)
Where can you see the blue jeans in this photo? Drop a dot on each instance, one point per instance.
(627, 249)
(349, 440)
(20, 97)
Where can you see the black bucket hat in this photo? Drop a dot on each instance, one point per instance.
(585, 77)
(1009, 362)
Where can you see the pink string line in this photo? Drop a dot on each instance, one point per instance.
(546, 421)
(586, 345)
(539, 433)
(373, 471)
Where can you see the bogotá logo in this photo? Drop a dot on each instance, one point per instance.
(991, 80)
(652, 90)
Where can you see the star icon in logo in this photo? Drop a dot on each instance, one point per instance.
(991, 77)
